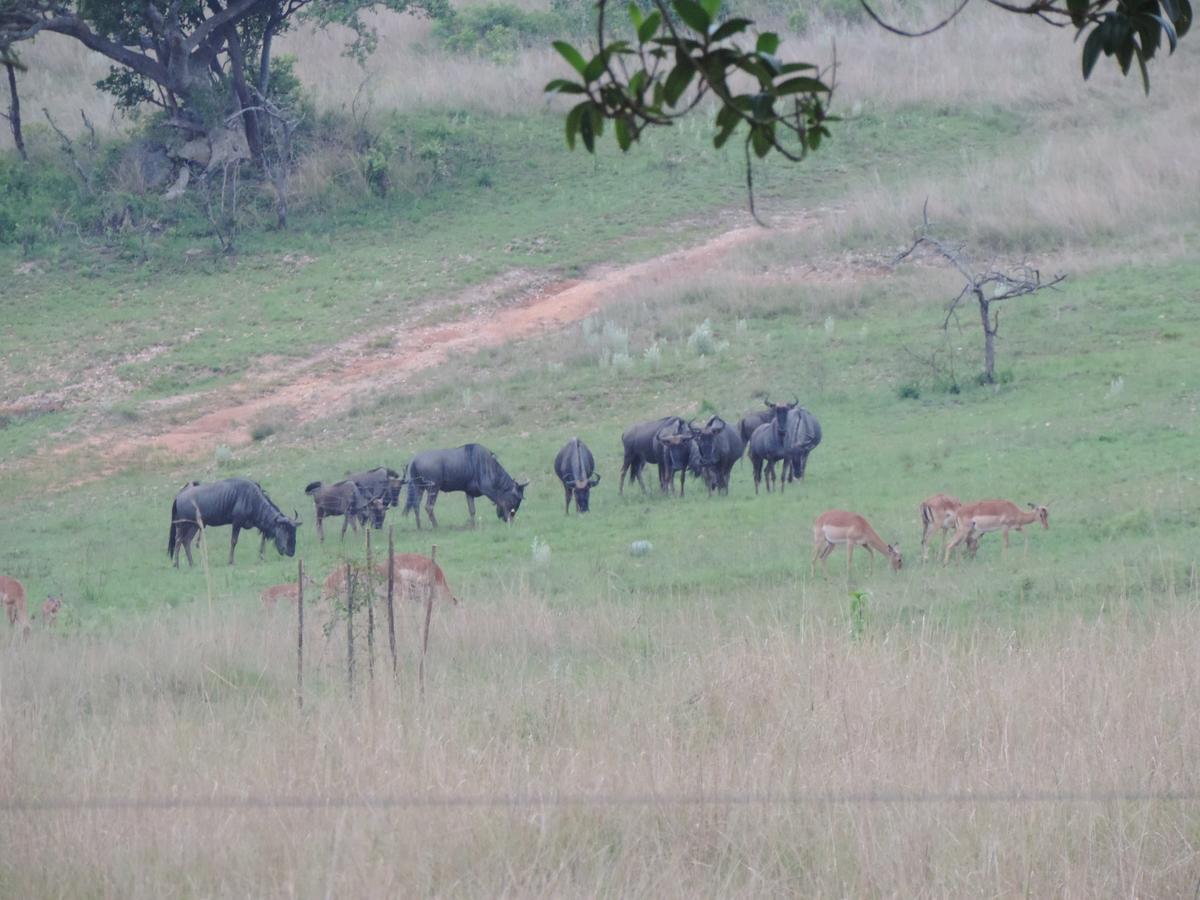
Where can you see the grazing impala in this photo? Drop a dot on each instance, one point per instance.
(976, 519)
(289, 591)
(836, 526)
(417, 577)
(940, 512)
(12, 593)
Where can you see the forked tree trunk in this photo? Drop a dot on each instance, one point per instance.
(14, 111)
(237, 68)
(989, 340)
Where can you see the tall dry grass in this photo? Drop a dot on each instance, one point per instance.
(623, 748)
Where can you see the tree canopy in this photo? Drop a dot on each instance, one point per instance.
(658, 66)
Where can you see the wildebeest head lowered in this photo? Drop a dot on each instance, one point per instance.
(472, 469)
(238, 502)
(576, 468)
(717, 447)
(672, 448)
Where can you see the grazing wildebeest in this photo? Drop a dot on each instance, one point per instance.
(836, 526)
(790, 435)
(576, 469)
(234, 501)
(472, 469)
(717, 446)
(672, 446)
(417, 577)
(12, 594)
(380, 482)
(344, 499)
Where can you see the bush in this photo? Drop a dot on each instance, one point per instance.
(496, 30)
(909, 391)
(703, 343)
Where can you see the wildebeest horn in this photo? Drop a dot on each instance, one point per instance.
(595, 479)
(523, 483)
(795, 402)
(767, 401)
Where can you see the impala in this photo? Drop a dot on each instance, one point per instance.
(50, 609)
(288, 591)
(940, 512)
(976, 519)
(12, 594)
(837, 526)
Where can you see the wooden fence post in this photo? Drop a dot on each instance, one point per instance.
(391, 613)
(350, 629)
(370, 612)
(425, 633)
(300, 635)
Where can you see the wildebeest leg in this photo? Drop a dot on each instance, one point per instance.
(682, 479)
(756, 467)
(262, 548)
(569, 492)
(347, 519)
(471, 508)
(621, 483)
(430, 499)
(185, 536)
(233, 542)
(636, 472)
(320, 527)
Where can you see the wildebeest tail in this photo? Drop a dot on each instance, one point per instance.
(312, 487)
(412, 497)
(171, 533)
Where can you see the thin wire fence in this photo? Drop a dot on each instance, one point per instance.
(558, 801)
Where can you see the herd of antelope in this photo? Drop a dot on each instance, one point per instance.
(941, 512)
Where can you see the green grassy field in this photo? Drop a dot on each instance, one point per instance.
(708, 719)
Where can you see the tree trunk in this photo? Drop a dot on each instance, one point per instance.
(237, 68)
(14, 111)
(989, 341)
(264, 61)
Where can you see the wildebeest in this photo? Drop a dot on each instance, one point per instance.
(12, 595)
(344, 498)
(663, 442)
(751, 420)
(790, 435)
(472, 469)
(717, 446)
(380, 482)
(417, 577)
(234, 501)
(576, 469)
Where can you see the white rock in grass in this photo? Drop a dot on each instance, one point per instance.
(640, 548)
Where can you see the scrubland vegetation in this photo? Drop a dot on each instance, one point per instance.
(706, 719)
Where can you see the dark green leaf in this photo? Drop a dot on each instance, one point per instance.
(571, 55)
(635, 16)
(562, 86)
(730, 28)
(1172, 38)
(712, 7)
(624, 135)
(693, 15)
(637, 83)
(649, 27)
(801, 85)
(1145, 75)
(1183, 21)
(677, 82)
(574, 119)
(760, 140)
(788, 68)
(723, 135)
(587, 129)
(1078, 10)
(595, 67)
(1091, 51)
(768, 42)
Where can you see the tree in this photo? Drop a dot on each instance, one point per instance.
(988, 288)
(13, 115)
(197, 59)
(643, 80)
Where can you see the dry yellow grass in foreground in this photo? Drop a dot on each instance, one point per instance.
(606, 750)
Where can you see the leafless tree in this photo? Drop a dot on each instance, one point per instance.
(988, 288)
(14, 108)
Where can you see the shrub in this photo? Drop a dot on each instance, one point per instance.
(496, 30)
(703, 343)
(909, 391)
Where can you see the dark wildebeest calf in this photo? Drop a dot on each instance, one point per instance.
(717, 446)
(576, 469)
(379, 483)
(750, 422)
(235, 501)
(345, 499)
(472, 469)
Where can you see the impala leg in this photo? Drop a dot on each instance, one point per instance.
(849, 557)
(870, 560)
(1006, 542)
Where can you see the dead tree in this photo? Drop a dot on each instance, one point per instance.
(987, 288)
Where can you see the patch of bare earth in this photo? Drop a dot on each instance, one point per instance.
(518, 305)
